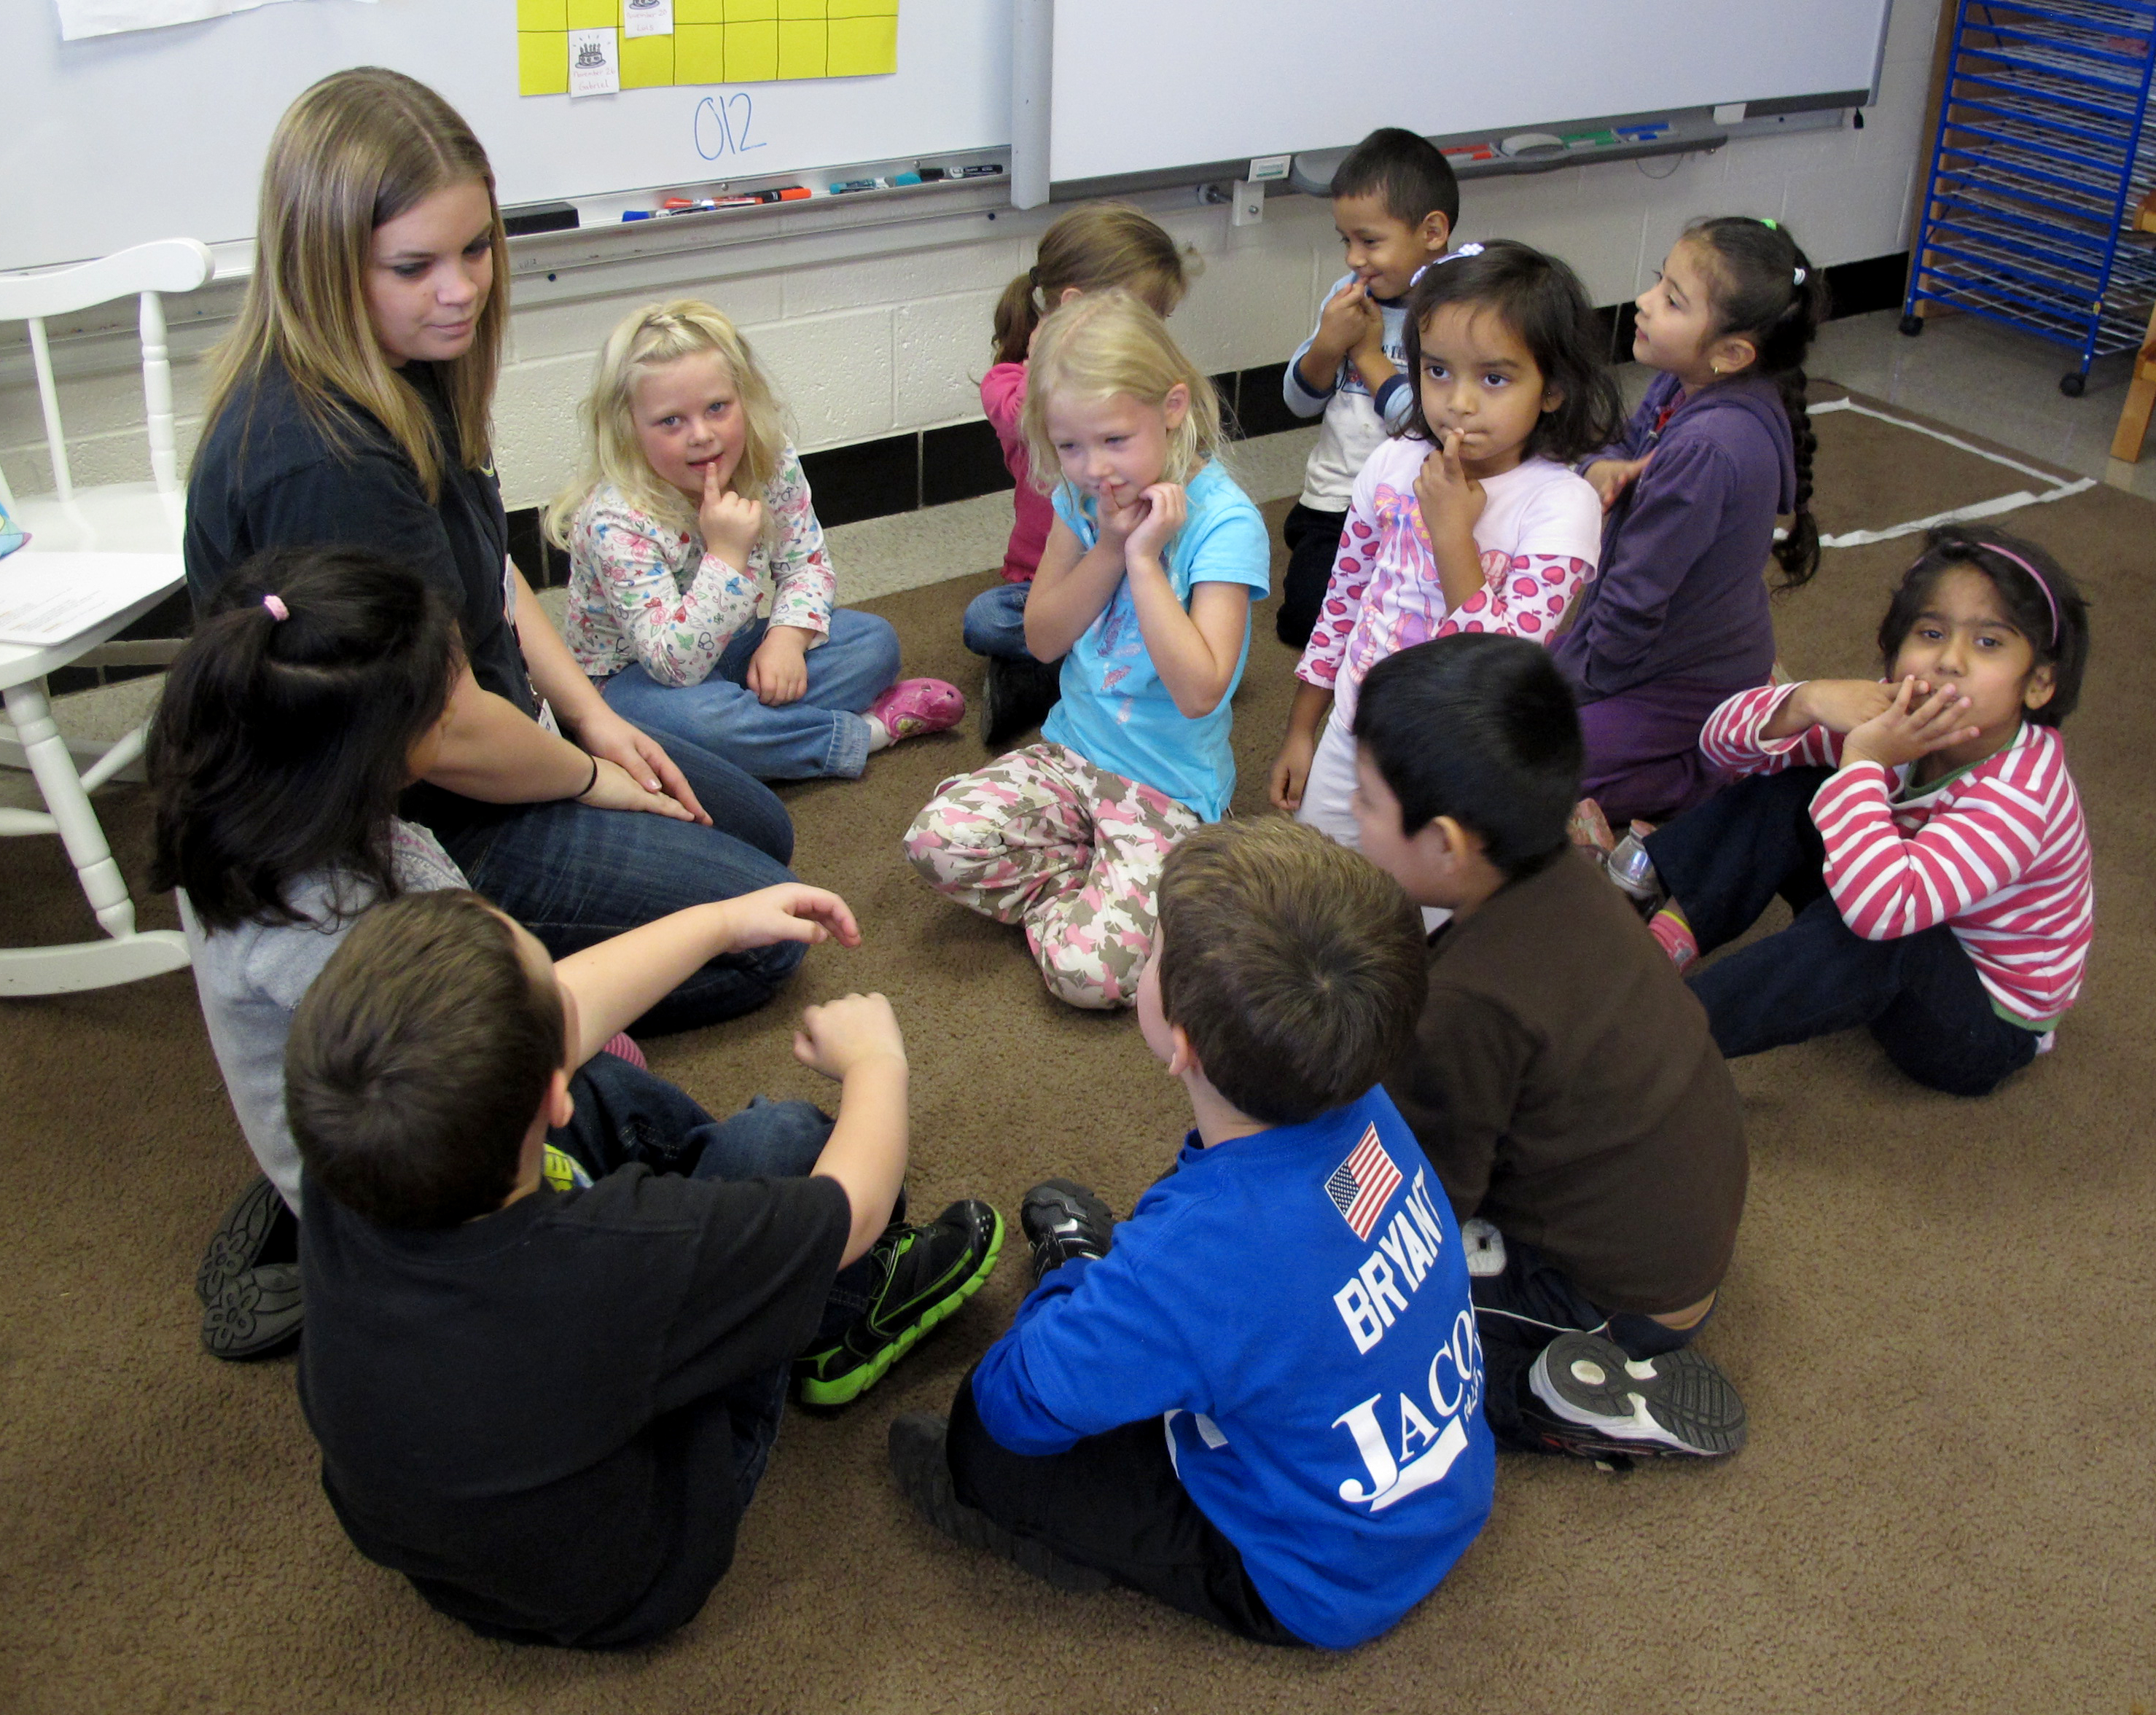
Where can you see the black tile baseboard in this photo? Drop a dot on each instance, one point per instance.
(1876, 283)
(961, 461)
(870, 479)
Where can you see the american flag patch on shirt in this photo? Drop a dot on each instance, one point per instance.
(1361, 1184)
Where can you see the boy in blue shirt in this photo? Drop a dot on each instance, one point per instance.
(1395, 202)
(1295, 1452)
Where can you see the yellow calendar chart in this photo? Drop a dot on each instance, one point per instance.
(712, 41)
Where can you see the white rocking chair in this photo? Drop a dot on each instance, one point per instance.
(142, 521)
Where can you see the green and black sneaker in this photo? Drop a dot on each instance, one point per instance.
(927, 1272)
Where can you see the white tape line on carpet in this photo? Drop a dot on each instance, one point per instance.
(1981, 509)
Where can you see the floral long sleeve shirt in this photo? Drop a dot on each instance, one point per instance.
(643, 593)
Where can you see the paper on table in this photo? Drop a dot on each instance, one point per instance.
(48, 597)
(107, 18)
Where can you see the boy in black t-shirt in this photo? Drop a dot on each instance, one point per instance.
(551, 1306)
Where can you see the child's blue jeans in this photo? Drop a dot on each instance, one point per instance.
(995, 622)
(626, 1115)
(1724, 862)
(820, 733)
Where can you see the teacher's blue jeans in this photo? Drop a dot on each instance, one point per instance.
(818, 734)
(575, 875)
(995, 622)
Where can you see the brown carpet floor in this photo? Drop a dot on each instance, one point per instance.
(1936, 1315)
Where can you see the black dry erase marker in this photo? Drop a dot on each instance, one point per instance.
(988, 171)
(931, 175)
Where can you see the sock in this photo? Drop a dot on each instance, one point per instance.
(879, 735)
(1673, 934)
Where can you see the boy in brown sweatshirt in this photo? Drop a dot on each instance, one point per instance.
(1564, 1082)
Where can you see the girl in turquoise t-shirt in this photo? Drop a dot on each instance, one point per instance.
(1144, 589)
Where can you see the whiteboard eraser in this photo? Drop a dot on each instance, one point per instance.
(1267, 169)
(1729, 113)
(1249, 204)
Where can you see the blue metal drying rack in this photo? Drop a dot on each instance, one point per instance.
(2042, 157)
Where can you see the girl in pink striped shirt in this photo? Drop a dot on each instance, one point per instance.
(1924, 828)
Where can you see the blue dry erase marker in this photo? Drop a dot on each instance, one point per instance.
(839, 188)
(640, 214)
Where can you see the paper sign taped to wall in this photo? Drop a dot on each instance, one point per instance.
(647, 17)
(594, 63)
(110, 17)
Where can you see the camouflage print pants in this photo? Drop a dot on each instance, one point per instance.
(1041, 837)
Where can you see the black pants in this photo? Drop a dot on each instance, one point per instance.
(1313, 542)
(1725, 861)
(1113, 1502)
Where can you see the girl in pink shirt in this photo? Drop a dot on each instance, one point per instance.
(1924, 828)
(1469, 519)
(1094, 247)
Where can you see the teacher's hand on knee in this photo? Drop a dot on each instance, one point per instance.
(605, 735)
(613, 788)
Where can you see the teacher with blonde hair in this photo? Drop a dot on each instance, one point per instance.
(351, 406)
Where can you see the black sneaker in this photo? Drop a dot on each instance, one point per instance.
(1016, 697)
(255, 1313)
(259, 1228)
(1671, 1404)
(925, 1273)
(1062, 1219)
(919, 1461)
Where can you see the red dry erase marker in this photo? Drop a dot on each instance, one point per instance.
(750, 199)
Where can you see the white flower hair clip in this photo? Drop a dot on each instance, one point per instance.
(1449, 256)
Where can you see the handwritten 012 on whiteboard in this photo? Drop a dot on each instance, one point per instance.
(711, 42)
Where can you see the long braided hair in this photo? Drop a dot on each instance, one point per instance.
(1764, 289)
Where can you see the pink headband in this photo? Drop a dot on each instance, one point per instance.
(276, 606)
(2050, 601)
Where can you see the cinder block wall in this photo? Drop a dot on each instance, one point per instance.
(873, 345)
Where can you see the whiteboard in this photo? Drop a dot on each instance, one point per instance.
(1140, 86)
(117, 140)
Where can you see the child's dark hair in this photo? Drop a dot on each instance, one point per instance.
(1543, 303)
(1097, 247)
(1480, 727)
(1408, 174)
(1764, 288)
(417, 1060)
(1294, 965)
(280, 744)
(2039, 598)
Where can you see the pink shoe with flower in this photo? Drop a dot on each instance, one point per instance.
(914, 706)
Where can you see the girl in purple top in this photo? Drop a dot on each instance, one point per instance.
(1677, 619)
